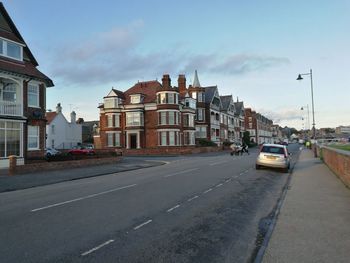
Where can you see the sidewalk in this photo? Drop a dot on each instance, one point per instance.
(23, 181)
(314, 221)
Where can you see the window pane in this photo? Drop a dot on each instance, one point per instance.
(1, 47)
(171, 117)
(171, 138)
(116, 121)
(13, 50)
(109, 121)
(163, 118)
(33, 95)
(171, 98)
(163, 138)
(13, 142)
(2, 143)
(117, 139)
(33, 131)
(110, 139)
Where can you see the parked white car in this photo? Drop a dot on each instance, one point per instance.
(274, 156)
(51, 152)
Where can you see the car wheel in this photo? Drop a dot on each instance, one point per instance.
(257, 167)
(285, 170)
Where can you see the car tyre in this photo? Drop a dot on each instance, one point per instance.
(257, 167)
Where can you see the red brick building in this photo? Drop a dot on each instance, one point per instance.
(259, 127)
(22, 96)
(148, 115)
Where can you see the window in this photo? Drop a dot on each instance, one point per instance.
(171, 138)
(134, 99)
(200, 114)
(33, 137)
(10, 138)
(134, 119)
(109, 120)
(201, 132)
(171, 117)
(110, 139)
(163, 138)
(194, 95)
(116, 120)
(52, 143)
(171, 99)
(117, 139)
(110, 103)
(201, 96)
(11, 49)
(9, 92)
(33, 95)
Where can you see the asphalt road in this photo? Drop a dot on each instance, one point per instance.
(203, 208)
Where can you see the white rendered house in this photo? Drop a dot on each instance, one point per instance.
(62, 134)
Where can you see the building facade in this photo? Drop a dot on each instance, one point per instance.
(62, 134)
(22, 97)
(259, 127)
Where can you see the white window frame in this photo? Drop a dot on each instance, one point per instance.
(37, 94)
(4, 42)
(116, 120)
(135, 99)
(131, 117)
(34, 136)
(110, 121)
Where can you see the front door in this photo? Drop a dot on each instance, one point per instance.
(133, 141)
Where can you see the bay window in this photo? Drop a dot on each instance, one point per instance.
(10, 138)
(134, 119)
(33, 95)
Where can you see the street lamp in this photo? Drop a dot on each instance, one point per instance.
(308, 115)
(313, 108)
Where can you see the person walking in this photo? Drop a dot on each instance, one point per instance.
(244, 148)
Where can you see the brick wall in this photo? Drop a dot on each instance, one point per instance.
(339, 162)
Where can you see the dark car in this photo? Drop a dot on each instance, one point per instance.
(80, 150)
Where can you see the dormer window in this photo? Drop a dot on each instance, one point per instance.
(135, 99)
(110, 103)
(11, 49)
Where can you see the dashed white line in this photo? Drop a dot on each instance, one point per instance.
(173, 208)
(228, 180)
(192, 198)
(182, 172)
(82, 198)
(98, 247)
(143, 224)
(217, 163)
(219, 185)
(207, 191)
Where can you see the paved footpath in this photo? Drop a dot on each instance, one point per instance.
(314, 221)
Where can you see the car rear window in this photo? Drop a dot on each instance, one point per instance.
(272, 149)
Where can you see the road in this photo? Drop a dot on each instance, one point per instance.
(202, 208)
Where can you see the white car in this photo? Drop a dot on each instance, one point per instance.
(51, 152)
(274, 156)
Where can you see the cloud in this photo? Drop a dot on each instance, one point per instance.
(113, 56)
(282, 114)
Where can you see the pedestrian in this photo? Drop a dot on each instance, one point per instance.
(244, 148)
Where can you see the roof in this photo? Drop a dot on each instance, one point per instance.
(50, 116)
(209, 93)
(239, 107)
(226, 101)
(147, 88)
(25, 69)
(15, 35)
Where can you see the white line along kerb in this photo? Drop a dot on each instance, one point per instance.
(98, 247)
(82, 198)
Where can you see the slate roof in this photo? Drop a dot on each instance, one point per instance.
(209, 93)
(119, 93)
(239, 107)
(226, 101)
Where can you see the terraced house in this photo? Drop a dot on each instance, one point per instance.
(22, 96)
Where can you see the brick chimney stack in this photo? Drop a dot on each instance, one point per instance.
(166, 81)
(181, 81)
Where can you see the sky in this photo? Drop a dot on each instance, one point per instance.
(253, 50)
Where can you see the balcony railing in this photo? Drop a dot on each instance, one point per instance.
(10, 108)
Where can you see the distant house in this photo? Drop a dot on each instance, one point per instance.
(22, 96)
(62, 134)
(89, 129)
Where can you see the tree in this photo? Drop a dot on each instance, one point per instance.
(246, 138)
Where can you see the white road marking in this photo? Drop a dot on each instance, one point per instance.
(228, 180)
(173, 208)
(182, 172)
(82, 198)
(217, 163)
(192, 198)
(237, 176)
(219, 185)
(143, 224)
(98, 247)
(207, 191)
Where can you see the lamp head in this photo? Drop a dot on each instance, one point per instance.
(299, 77)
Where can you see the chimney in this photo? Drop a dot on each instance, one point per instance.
(58, 108)
(73, 117)
(181, 81)
(166, 81)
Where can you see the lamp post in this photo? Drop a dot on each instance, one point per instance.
(313, 108)
(308, 115)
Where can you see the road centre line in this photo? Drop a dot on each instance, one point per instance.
(82, 198)
(173, 208)
(219, 185)
(207, 191)
(217, 163)
(228, 180)
(192, 198)
(182, 172)
(143, 224)
(98, 247)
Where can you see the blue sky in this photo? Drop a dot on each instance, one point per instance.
(250, 49)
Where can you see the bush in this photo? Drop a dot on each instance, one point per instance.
(205, 143)
(226, 143)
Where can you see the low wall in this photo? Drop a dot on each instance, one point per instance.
(338, 161)
(49, 166)
(170, 150)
